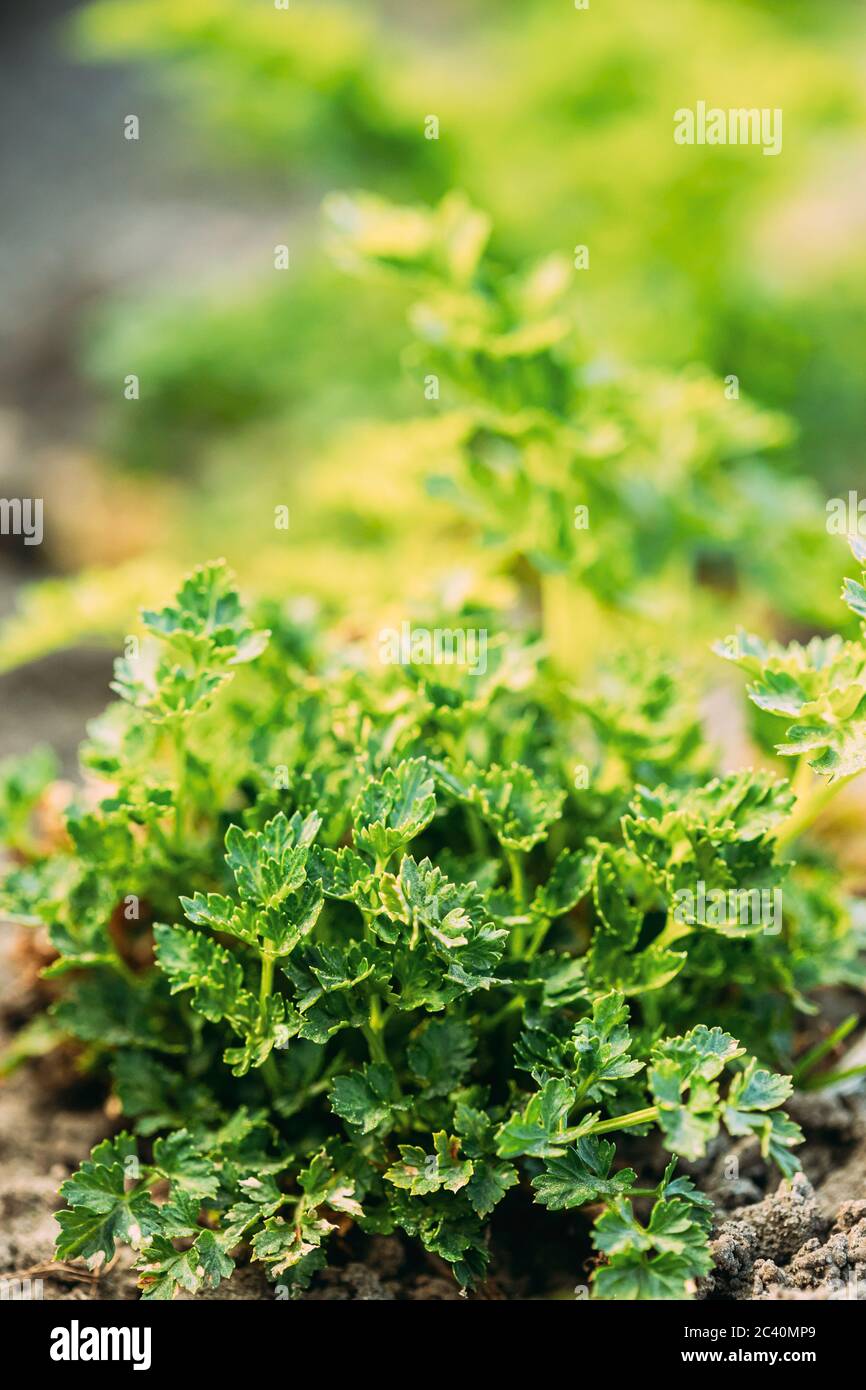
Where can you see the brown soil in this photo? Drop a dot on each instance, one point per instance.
(785, 1247)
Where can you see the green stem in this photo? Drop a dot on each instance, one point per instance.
(518, 883)
(490, 1021)
(811, 801)
(376, 1016)
(367, 913)
(476, 832)
(830, 1078)
(120, 965)
(267, 982)
(518, 887)
(803, 777)
(271, 1076)
(375, 1042)
(572, 623)
(672, 931)
(537, 941)
(636, 1117)
(180, 774)
(374, 1031)
(814, 1055)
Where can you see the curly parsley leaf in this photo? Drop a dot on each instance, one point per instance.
(656, 1261)
(393, 809)
(368, 1097)
(582, 1175)
(105, 1204)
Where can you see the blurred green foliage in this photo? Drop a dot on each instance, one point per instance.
(559, 123)
(559, 385)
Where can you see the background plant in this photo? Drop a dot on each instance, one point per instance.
(697, 255)
(266, 389)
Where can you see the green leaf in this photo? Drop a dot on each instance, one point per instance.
(369, 229)
(569, 881)
(489, 1183)
(447, 1226)
(393, 809)
(618, 1230)
(560, 979)
(688, 1130)
(581, 1175)
(195, 644)
(511, 801)
(262, 1030)
(821, 686)
(601, 1047)
(23, 780)
(293, 1247)
(322, 1185)
(261, 1199)
(682, 1081)
(342, 873)
(753, 1093)
(539, 1131)
(164, 1271)
(594, 1059)
(270, 863)
(278, 905)
(702, 1052)
(214, 1264)
(451, 921)
(711, 849)
(219, 914)
(655, 1261)
(102, 1209)
(419, 1172)
(674, 1226)
(441, 1055)
(685, 1188)
(688, 1118)
(634, 1277)
(620, 888)
(282, 929)
(613, 899)
(285, 1245)
(179, 1216)
(207, 604)
(329, 985)
(756, 1089)
(367, 1098)
(193, 962)
(178, 1158)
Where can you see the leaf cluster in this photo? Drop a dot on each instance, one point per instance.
(354, 951)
